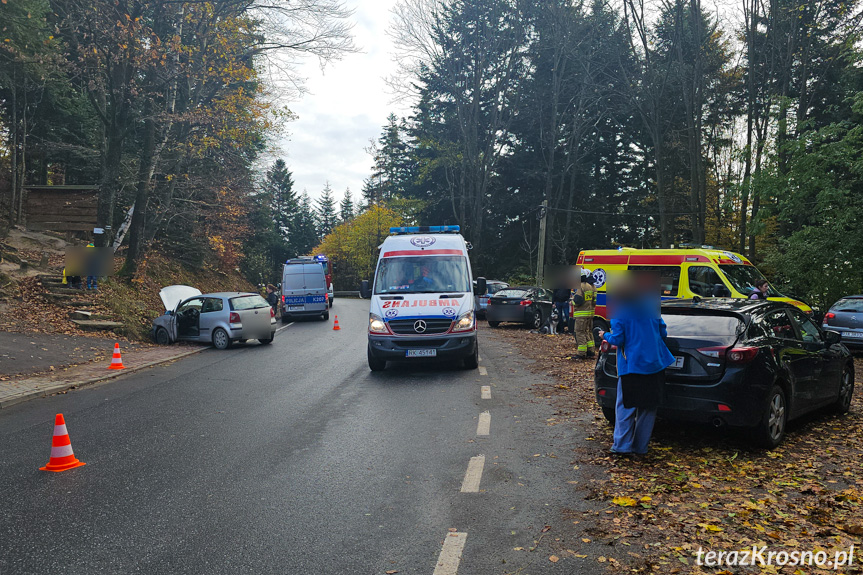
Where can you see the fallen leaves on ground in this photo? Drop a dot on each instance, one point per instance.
(702, 488)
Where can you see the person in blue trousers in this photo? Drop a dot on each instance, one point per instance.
(638, 331)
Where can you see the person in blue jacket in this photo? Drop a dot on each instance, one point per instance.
(638, 331)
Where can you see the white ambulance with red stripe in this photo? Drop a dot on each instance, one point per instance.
(422, 304)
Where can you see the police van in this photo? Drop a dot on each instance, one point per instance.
(704, 272)
(304, 290)
(422, 304)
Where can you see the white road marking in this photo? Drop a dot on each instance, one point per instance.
(482, 428)
(483, 371)
(450, 554)
(473, 475)
(485, 392)
(284, 327)
(478, 357)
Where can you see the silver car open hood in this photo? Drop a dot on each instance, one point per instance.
(173, 295)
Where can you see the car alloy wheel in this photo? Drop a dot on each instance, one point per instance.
(846, 391)
(537, 319)
(776, 417)
(221, 339)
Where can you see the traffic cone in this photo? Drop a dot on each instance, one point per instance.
(116, 360)
(336, 324)
(62, 457)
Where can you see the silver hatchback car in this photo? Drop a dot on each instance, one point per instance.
(218, 318)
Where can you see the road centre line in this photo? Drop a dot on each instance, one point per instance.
(483, 371)
(450, 554)
(484, 424)
(485, 392)
(474, 475)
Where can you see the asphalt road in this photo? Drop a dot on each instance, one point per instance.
(294, 459)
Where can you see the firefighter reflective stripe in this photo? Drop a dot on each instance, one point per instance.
(583, 313)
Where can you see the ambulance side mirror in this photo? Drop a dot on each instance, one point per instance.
(719, 290)
(480, 287)
(365, 290)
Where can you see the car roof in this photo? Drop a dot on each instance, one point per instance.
(725, 304)
(851, 297)
(229, 294)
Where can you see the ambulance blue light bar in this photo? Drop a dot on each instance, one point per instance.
(426, 230)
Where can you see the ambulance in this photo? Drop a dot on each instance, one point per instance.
(684, 273)
(422, 304)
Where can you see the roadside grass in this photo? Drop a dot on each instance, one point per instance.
(705, 489)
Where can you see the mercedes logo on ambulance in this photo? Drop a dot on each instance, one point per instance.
(422, 241)
(420, 326)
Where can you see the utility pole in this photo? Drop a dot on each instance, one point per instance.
(540, 264)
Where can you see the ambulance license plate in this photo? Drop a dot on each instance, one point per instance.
(678, 363)
(852, 334)
(421, 353)
(296, 308)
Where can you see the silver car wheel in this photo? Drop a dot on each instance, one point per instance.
(221, 339)
(776, 417)
(846, 389)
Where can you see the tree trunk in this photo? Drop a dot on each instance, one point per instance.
(146, 167)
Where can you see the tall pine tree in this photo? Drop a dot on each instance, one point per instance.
(346, 207)
(326, 211)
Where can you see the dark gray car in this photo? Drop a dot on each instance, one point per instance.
(846, 317)
(528, 305)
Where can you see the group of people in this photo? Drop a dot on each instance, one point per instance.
(575, 309)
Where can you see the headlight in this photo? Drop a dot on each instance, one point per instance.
(377, 325)
(464, 322)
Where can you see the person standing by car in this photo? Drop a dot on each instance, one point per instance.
(272, 297)
(760, 291)
(583, 302)
(639, 332)
(560, 298)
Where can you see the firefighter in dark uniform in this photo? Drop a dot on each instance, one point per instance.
(583, 304)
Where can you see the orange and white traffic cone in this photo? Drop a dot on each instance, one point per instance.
(62, 457)
(336, 324)
(116, 360)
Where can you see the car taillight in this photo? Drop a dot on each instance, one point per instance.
(742, 354)
(272, 312)
(283, 300)
(606, 347)
(733, 355)
(829, 315)
(525, 302)
(235, 317)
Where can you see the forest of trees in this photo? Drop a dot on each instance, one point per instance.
(163, 104)
(646, 124)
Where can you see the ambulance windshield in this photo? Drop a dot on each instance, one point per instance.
(743, 279)
(422, 274)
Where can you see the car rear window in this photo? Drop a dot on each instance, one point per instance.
(511, 293)
(248, 302)
(703, 325)
(494, 288)
(848, 304)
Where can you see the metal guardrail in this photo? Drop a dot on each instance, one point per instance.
(346, 294)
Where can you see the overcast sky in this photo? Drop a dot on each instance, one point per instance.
(346, 105)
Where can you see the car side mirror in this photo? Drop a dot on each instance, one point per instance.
(832, 337)
(365, 290)
(480, 287)
(719, 290)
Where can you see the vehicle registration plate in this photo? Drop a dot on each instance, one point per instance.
(421, 353)
(678, 363)
(296, 308)
(852, 334)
